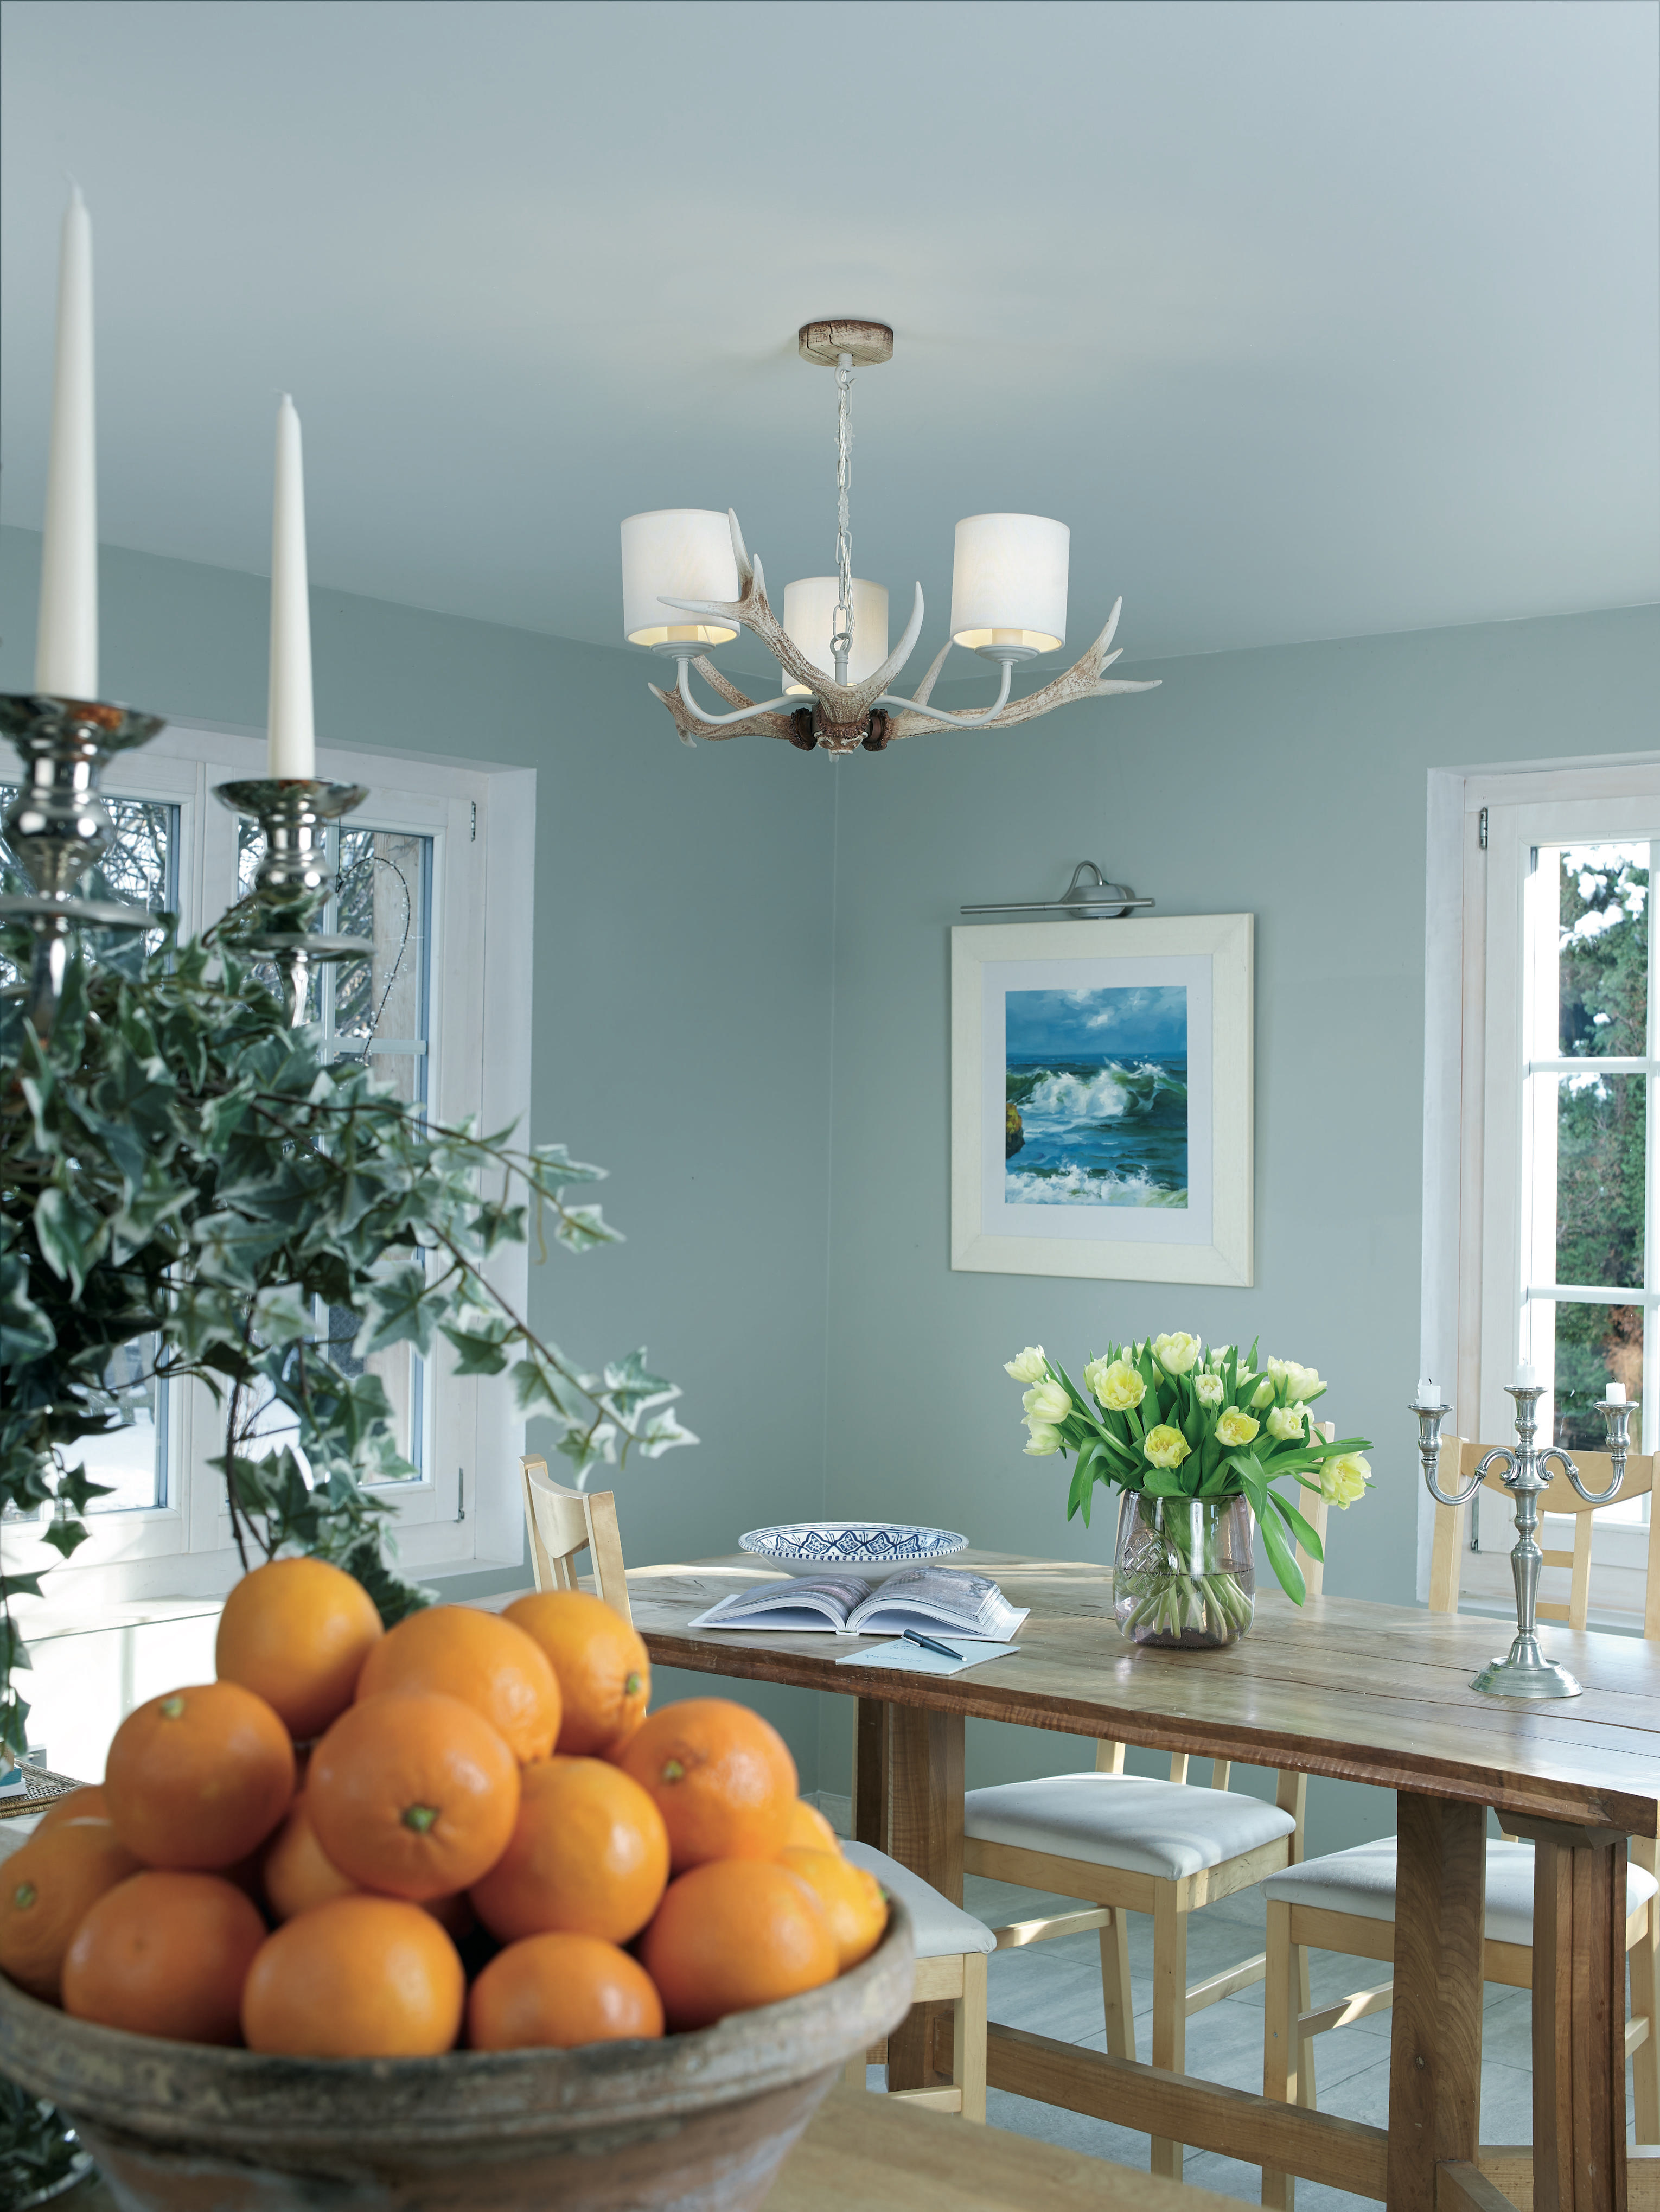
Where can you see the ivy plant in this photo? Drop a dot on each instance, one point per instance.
(180, 1166)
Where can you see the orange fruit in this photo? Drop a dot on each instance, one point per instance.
(603, 1667)
(414, 1794)
(852, 1899)
(809, 1831)
(164, 1953)
(47, 1886)
(485, 1661)
(730, 1936)
(723, 1780)
(565, 1990)
(197, 1779)
(296, 1632)
(358, 1978)
(298, 1874)
(589, 1857)
(86, 1804)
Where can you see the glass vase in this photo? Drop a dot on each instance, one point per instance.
(1184, 1573)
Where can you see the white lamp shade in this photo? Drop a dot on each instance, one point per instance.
(1008, 582)
(675, 553)
(810, 605)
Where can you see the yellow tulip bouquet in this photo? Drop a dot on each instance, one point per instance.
(1179, 1427)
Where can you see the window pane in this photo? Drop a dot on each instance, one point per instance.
(140, 867)
(1595, 1345)
(1600, 1136)
(133, 1459)
(1604, 939)
(403, 1376)
(380, 1003)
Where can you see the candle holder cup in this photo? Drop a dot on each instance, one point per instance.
(58, 826)
(1524, 1671)
(294, 878)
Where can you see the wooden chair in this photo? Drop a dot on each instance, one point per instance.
(951, 1949)
(1130, 1845)
(563, 1523)
(1346, 1901)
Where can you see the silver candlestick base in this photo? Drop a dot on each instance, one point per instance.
(1524, 1671)
(295, 877)
(58, 826)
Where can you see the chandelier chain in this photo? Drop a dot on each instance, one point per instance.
(841, 639)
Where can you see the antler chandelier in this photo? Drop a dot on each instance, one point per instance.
(1008, 605)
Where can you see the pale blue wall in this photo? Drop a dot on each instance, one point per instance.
(693, 910)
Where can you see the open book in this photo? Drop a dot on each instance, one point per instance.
(924, 1598)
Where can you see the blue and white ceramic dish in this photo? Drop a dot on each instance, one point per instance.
(853, 1543)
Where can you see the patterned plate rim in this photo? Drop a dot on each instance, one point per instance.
(751, 1539)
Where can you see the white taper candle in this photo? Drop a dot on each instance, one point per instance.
(292, 730)
(66, 641)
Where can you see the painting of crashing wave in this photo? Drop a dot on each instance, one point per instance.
(1097, 1086)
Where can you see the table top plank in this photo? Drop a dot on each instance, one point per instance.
(1367, 1692)
(867, 2153)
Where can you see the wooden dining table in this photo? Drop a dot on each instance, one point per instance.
(1370, 1693)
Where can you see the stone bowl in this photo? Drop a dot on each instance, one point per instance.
(697, 2122)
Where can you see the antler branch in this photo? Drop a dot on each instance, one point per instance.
(1081, 681)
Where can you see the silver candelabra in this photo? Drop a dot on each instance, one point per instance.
(58, 826)
(295, 877)
(1524, 1671)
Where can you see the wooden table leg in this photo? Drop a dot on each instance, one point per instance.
(924, 1817)
(1579, 2020)
(870, 1773)
(1435, 2043)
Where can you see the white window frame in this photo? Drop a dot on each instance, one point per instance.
(1470, 1327)
(482, 819)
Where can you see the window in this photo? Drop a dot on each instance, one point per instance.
(1541, 1120)
(437, 870)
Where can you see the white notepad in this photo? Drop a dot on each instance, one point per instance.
(903, 1658)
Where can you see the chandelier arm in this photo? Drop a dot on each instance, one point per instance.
(753, 725)
(721, 721)
(955, 721)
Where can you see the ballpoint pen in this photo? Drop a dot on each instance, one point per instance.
(910, 1635)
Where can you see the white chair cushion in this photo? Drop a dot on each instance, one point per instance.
(1168, 1829)
(1362, 1881)
(944, 1930)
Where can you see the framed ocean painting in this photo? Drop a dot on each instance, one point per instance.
(1101, 1099)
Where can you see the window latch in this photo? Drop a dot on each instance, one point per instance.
(1480, 828)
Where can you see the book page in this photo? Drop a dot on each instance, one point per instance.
(973, 1603)
(809, 1602)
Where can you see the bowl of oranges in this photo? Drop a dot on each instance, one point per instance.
(438, 1915)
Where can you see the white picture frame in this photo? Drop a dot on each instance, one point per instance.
(1196, 975)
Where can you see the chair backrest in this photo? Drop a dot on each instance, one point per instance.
(562, 1523)
(1315, 1508)
(1459, 1458)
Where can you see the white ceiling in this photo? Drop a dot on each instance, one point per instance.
(1311, 320)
